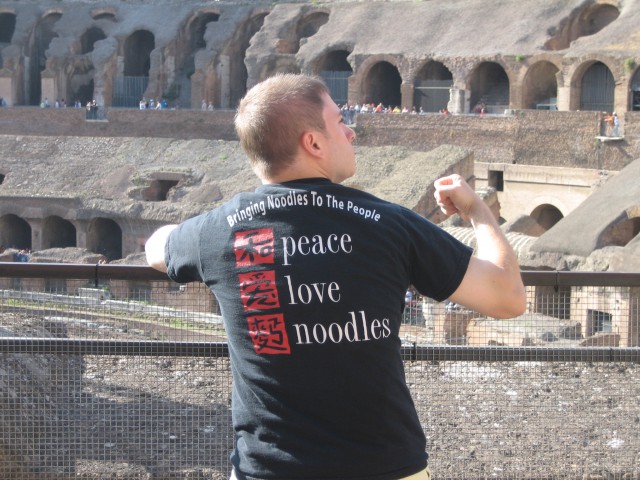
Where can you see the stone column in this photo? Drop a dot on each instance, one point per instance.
(406, 94)
(621, 99)
(36, 233)
(457, 101)
(48, 87)
(223, 71)
(197, 89)
(6, 84)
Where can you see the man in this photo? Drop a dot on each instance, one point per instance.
(311, 279)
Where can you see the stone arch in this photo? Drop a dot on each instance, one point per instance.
(546, 215)
(635, 90)
(80, 83)
(540, 85)
(335, 69)
(89, 37)
(41, 38)
(432, 87)
(131, 83)
(382, 82)
(620, 231)
(594, 86)
(104, 236)
(489, 85)
(197, 27)
(7, 27)
(586, 22)
(137, 53)
(58, 233)
(15, 232)
(307, 26)
(108, 14)
(235, 69)
(187, 45)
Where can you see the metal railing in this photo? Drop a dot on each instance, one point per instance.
(111, 371)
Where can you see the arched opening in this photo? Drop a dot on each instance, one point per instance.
(586, 22)
(104, 236)
(80, 84)
(158, 190)
(432, 87)
(42, 36)
(541, 86)
(335, 70)
(489, 85)
(137, 53)
(130, 87)
(310, 25)
(179, 92)
(58, 233)
(546, 215)
(382, 85)
(620, 232)
(108, 14)
(290, 41)
(635, 91)
(198, 27)
(7, 27)
(597, 89)
(596, 18)
(89, 38)
(237, 51)
(15, 232)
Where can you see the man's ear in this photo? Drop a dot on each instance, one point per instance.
(312, 144)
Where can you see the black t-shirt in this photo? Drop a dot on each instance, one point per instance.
(311, 279)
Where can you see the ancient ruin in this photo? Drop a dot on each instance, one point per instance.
(526, 84)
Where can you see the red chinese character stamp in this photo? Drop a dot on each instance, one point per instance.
(254, 247)
(269, 334)
(258, 290)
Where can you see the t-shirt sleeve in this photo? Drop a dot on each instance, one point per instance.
(438, 260)
(182, 252)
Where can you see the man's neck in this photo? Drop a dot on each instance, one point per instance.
(296, 171)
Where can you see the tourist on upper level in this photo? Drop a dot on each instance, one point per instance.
(616, 125)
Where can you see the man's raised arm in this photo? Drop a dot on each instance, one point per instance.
(492, 284)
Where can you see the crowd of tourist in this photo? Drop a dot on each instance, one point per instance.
(207, 106)
(20, 255)
(60, 103)
(153, 104)
(350, 111)
(610, 121)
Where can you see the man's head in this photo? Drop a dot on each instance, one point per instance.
(272, 117)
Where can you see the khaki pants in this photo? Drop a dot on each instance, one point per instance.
(423, 475)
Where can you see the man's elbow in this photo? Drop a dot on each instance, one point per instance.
(514, 303)
(154, 248)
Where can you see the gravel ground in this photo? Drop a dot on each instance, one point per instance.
(102, 417)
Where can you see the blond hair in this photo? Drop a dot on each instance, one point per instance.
(274, 114)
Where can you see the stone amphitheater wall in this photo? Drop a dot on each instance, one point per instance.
(525, 137)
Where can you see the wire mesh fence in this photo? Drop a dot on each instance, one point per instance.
(113, 372)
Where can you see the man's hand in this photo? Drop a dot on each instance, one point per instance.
(454, 195)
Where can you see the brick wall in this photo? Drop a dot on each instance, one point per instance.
(182, 124)
(528, 137)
